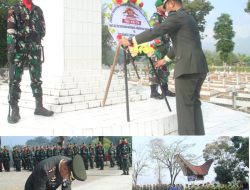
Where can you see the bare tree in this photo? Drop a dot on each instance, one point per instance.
(159, 171)
(140, 164)
(165, 153)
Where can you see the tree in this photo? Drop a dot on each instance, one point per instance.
(140, 164)
(159, 171)
(224, 34)
(38, 141)
(199, 9)
(228, 167)
(242, 148)
(165, 154)
(247, 9)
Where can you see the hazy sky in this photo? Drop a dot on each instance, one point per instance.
(235, 9)
(199, 141)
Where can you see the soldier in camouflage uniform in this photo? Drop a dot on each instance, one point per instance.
(100, 155)
(85, 155)
(25, 30)
(162, 46)
(111, 152)
(6, 159)
(16, 155)
(125, 151)
(91, 156)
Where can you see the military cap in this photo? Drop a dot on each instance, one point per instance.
(158, 3)
(77, 168)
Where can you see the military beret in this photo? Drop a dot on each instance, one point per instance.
(158, 3)
(77, 168)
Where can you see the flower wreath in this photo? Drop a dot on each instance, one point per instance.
(145, 49)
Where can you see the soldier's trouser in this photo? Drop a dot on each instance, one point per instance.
(86, 164)
(91, 162)
(18, 165)
(31, 59)
(188, 105)
(6, 165)
(1, 168)
(125, 165)
(101, 163)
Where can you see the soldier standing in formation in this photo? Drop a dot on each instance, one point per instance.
(16, 156)
(111, 152)
(25, 30)
(6, 159)
(100, 155)
(91, 156)
(85, 155)
(125, 151)
(162, 46)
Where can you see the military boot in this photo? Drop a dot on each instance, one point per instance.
(14, 116)
(166, 91)
(40, 110)
(154, 93)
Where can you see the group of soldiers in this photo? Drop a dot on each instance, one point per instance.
(28, 157)
(206, 186)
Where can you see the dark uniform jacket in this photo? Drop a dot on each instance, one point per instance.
(184, 33)
(46, 175)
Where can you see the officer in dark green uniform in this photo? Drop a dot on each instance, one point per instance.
(56, 171)
(162, 46)
(25, 30)
(190, 63)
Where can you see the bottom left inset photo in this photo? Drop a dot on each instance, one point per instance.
(65, 162)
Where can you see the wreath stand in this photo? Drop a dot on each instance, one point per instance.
(127, 59)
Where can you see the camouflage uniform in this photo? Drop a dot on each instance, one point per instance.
(6, 159)
(91, 156)
(111, 152)
(85, 156)
(25, 30)
(162, 46)
(100, 154)
(125, 151)
(16, 155)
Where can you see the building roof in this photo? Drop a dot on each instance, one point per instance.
(190, 169)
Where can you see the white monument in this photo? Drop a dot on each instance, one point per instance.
(72, 73)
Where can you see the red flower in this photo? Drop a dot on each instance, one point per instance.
(133, 1)
(157, 41)
(152, 46)
(119, 37)
(118, 2)
(141, 4)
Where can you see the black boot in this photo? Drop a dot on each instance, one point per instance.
(154, 93)
(14, 116)
(40, 110)
(166, 91)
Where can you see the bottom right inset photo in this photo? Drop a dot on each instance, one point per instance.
(191, 163)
